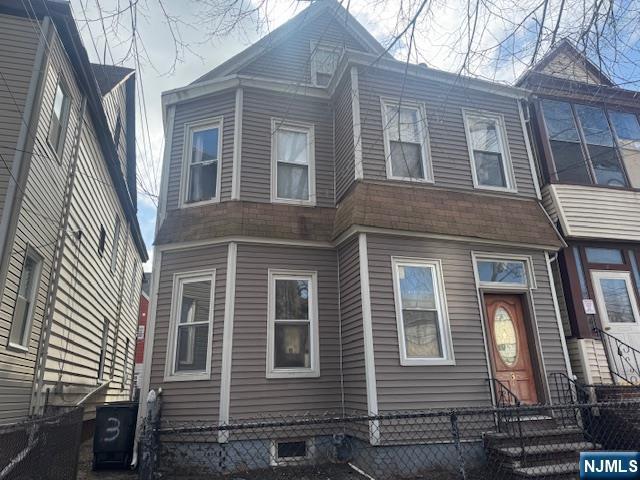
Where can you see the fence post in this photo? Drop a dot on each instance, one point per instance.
(150, 441)
(456, 440)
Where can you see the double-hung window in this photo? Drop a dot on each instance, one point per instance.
(489, 152)
(324, 60)
(25, 300)
(292, 336)
(59, 118)
(584, 149)
(421, 312)
(201, 164)
(189, 355)
(406, 142)
(292, 163)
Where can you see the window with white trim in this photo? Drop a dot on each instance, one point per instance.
(201, 162)
(421, 312)
(502, 272)
(25, 300)
(292, 335)
(189, 355)
(406, 142)
(59, 118)
(293, 175)
(488, 151)
(324, 60)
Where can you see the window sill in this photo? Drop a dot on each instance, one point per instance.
(199, 204)
(291, 373)
(299, 203)
(17, 348)
(496, 189)
(411, 180)
(187, 377)
(422, 362)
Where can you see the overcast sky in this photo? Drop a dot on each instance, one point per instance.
(439, 39)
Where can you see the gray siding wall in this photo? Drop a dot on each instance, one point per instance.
(219, 105)
(252, 394)
(259, 108)
(463, 384)
(352, 335)
(200, 399)
(444, 103)
(291, 60)
(343, 132)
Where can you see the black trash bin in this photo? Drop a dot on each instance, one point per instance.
(114, 434)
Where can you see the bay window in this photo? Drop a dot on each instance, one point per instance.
(292, 163)
(201, 162)
(627, 129)
(292, 335)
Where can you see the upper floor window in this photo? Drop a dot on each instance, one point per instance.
(324, 60)
(201, 162)
(25, 300)
(627, 130)
(292, 163)
(406, 142)
(421, 312)
(293, 325)
(583, 146)
(490, 160)
(59, 118)
(189, 355)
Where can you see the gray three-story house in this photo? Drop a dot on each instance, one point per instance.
(341, 231)
(70, 245)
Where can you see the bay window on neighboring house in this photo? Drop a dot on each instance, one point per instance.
(292, 336)
(191, 329)
(421, 311)
(406, 141)
(592, 145)
(292, 163)
(489, 151)
(201, 162)
(25, 300)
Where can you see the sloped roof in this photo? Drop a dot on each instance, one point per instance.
(578, 59)
(281, 33)
(108, 76)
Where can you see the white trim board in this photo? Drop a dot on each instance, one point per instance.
(237, 145)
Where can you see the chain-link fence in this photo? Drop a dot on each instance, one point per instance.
(44, 448)
(475, 443)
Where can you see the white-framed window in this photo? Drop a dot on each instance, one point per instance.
(191, 326)
(406, 141)
(25, 300)
(291, 452)
(201, 162)
(503, 271)
(616, 298)
(59, 118)
(104, 346)
(116, 243)
(324, 61)
(488, 151)
(424, 335)
(292, 163)
(292, 330)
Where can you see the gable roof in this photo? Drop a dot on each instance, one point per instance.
(563, 49)
(108, 76)
(280, 34)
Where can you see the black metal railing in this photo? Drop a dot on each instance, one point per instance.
(570, 392)
(508, 420)
(624, 360)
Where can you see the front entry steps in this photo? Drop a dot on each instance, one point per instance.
(546, 451)
(620, 424)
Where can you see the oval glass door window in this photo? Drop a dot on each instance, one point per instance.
(505, 336)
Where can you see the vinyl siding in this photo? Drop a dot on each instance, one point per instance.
(188, 400)
(259, 108)
(202, 109)
(343, 132)
(19, 45)
(463, 384)
(352, 335)
(252, 394)
(589, 361)
(444, 104)
(291, 60)
(595, 212)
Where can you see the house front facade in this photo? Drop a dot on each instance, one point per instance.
(71, 249)
(587, 133)
(340, 231)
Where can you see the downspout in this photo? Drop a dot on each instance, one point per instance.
(56, 266)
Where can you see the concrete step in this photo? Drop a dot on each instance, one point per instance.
(539, 455)
(535, 437)
(557, 471)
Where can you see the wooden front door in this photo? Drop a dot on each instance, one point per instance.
(509, 346)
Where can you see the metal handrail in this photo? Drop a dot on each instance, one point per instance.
(626, 366)
(506, 398)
